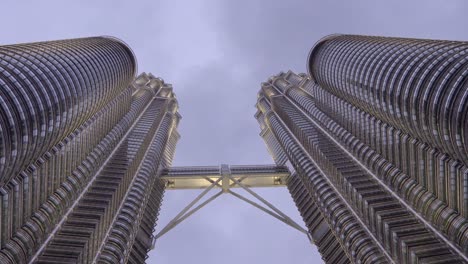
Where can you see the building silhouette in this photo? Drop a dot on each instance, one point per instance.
(371, 144)
(376, 141)
(81, 142)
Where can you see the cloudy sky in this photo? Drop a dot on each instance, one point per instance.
(216, 54)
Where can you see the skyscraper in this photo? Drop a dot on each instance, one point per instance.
(376, 140)
(372, 145)
(81, 144)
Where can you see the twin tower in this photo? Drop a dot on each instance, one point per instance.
(372, 144)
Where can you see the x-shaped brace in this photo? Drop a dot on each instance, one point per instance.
(224, 183)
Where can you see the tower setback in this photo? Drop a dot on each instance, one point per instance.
(375, 136)
(82, 142)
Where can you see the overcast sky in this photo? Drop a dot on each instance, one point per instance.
(216, 54)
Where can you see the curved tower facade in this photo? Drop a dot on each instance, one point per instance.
(372, 145)
(376, 136)
(50, 89)
(82, 142)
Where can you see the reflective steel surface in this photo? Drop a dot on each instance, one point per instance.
(82, 142)
(371, 144)
(377, 138)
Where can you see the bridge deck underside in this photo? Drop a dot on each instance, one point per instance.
(197, 177)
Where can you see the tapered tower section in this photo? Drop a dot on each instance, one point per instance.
(82, 145)
(376, 137)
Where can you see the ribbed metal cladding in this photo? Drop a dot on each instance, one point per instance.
(116, 214)
(351, 233)
(333, 208)
(133, 228)
(366, 166)
(49, 89)
(82, 143)
(412, 94)
(418, 86)
(327, 242)
(436, 190)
